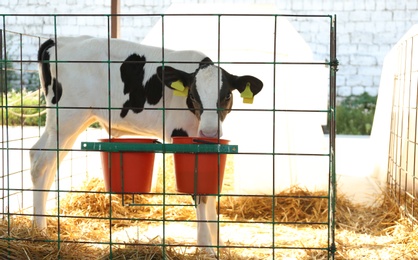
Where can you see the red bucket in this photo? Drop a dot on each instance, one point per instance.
(128, 172)
(207, 176)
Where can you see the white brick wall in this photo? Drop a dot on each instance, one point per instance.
(366, 28)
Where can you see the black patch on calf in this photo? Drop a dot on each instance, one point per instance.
(154, 90)
(57, 88)
(205, 63)
(43, 59)
(132, 75)
(179, 132)
(193, 101)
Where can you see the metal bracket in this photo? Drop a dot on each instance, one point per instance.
(159, 148)
(334, 64)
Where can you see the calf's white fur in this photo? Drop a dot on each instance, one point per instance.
(83, 77)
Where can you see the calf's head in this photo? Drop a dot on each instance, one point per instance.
(208, 93)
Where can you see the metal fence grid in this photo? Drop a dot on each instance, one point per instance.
(18, 66)
(402, 160)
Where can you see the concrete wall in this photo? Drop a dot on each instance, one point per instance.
(367, 29)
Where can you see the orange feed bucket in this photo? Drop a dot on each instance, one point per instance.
(128, 172)
(199, 173)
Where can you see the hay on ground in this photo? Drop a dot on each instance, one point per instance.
(85, 224)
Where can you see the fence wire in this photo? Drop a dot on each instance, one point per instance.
(402, 178)
(114, 214)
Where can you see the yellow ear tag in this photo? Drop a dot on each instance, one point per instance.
(183, 93)
(177, 85)
(247, 95)
(179, 89)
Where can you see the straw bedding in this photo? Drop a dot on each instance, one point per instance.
(84, 227)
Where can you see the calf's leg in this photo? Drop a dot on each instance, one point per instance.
(207, 227)
(48, 153)
(43, 167)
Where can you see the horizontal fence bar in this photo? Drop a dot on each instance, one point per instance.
(159, 148)
(220, 195)
(159, 244)
(166, 109)
(127, 218)
(165, 15)
(246, 153)
(171, 62)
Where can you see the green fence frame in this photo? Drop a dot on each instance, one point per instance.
(164, 148)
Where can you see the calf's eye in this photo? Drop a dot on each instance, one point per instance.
(192, 97)
(228, 96)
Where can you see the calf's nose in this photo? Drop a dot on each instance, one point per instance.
(209, 133)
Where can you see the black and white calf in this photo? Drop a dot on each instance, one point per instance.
(83, 77)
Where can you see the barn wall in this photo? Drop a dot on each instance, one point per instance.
(366, 29)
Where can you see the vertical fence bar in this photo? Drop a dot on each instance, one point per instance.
(219, 155)
(400, 129)
(5, 134)
(112, 32)
(392, 141)
(407, 105)
(332, 133)
(58, 150)
(2, 67)
(414, 175)
(21, 116)
(4, 142)
(2, 82)
(164, 221)
(274, 137)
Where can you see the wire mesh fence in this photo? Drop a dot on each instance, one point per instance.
(279, 183)
(402, 147)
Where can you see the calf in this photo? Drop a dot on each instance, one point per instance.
(121, 85)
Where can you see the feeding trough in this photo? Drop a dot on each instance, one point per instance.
(199, 173)
(199, 163)
(128, 172)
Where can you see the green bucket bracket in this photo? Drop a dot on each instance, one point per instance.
(159, 148)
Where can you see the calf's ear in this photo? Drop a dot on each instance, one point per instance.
(248, 86)
(175, 79)
(253, 83)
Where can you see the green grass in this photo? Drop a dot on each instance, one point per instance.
(355, 115)
(23, 108)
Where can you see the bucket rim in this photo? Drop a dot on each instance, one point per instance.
(127, 140)
(215, 140)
